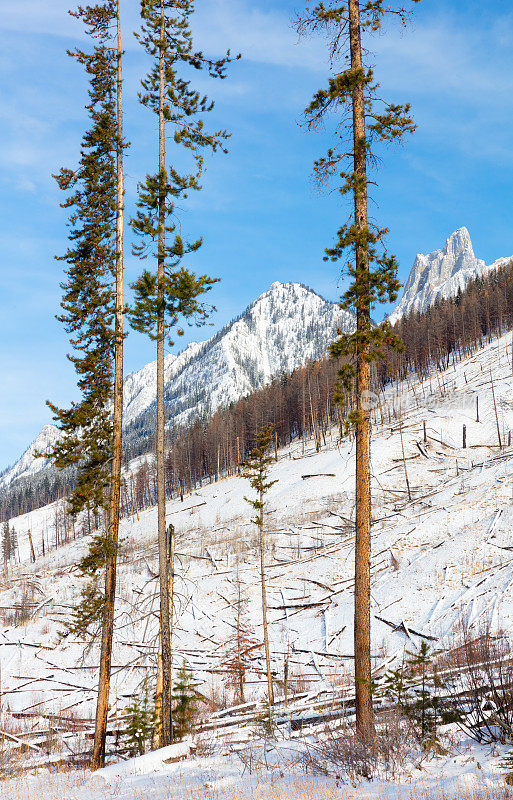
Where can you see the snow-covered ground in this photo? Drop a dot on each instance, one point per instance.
(469, 772)
(440, 560)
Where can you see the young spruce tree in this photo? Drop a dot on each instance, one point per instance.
(364, 120)
(93, 316)
(256, 470)
(171, 293)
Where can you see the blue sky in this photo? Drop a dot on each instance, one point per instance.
(259, 213)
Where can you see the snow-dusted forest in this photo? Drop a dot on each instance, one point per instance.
(274, 561)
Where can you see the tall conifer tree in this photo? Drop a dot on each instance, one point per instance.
(365, 121)
(170, 294)
(93, 316)
(113, 13)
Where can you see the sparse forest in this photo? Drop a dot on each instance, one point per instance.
(275, 563)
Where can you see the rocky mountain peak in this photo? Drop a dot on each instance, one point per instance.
(441, 274)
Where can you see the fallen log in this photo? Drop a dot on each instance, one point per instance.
(319, 475)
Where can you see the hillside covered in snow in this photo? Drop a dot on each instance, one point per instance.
(442, 517)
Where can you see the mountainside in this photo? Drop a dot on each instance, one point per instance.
(286, 326)
(283, 328)
(441, 274)
(28, 464)
(441, 569)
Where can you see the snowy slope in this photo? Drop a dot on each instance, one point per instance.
(440, 560)
(441, 273)
(286, 326)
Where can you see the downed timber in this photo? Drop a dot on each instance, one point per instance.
(20, 742)
(303, 606)
(189, 508)
(402, 628)
(324, 655)
(319, 475)
(422, 450)
(27, 644)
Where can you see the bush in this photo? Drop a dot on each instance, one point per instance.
(342, 754)
(418, 690)
(483, 678)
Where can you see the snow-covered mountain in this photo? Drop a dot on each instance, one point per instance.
(283, 328)
(28, 464)
(441, 274)
(286, 326)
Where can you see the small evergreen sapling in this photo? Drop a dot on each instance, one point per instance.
(506, 764)
(185, 699)
(417, 688)
(141, 721)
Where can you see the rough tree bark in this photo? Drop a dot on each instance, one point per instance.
(165, 633)
(102, 706)
(362, 641)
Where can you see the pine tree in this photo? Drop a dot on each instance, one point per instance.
(14, 542)
(185, 699)
(92, 306)
(140, 722)
(418, 690)
(102, 707)
(256, 470)
(162, 299)
(373, 272)
(6, 543)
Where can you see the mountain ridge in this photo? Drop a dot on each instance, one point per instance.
(280, 330)
(441, 273)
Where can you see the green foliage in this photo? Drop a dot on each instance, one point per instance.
(88, 299)
(140, 721)
(506, 764)
(176, 295)
(185, 699)
(87, 614)
(166, 37)
(371, 270)
(256, 469)
(416, 688)
(266, 726)
(9, 542)
(88, 302)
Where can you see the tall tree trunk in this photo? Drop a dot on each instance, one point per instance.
(362, 642)
(270, 691)
(102, 706)
(165, 638)
(171, 595)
